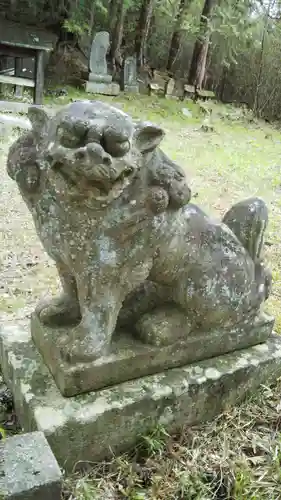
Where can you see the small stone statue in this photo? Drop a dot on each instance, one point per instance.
(113, 212)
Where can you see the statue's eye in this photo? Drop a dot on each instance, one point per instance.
(114, 148)
(72, 132)
(114, 143)
(69, 138)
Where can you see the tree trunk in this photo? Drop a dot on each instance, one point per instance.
(142, 31)
(117, 36)
(176, 37)
(256, 104)
(201, 47)
(112, 15)
(223, 83)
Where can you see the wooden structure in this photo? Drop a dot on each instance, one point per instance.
(19, 41)
(191, 92)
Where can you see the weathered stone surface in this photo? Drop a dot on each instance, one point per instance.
(96, 87)
(132, 89)
(129, 75)
(95, 78)
(113, 212)
(246, 225)
(28, 469)
(99, 49)
(99, 80)
(89, 426)
(169, 87)
(129, 358)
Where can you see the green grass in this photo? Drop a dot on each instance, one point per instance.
(238, 455)
(140, 107)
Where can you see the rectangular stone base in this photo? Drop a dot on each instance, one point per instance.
(134, 89)
(103, 88)
(28, 469)
(92, 426)
(129, 358)
(94, 77)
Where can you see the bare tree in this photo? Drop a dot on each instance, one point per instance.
(117, 34)
(143, 30)
(201, 47)
(176, 37)
(269, 5)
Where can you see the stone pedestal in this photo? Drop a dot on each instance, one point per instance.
(103, 88)
(90, 427)
(129, 358)
(94, 77)
(102, 84)
(133, 89)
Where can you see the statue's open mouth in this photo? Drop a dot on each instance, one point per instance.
(91, 169)
(106, 185)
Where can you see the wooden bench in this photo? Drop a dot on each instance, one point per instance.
(20, 41)
(13, 80)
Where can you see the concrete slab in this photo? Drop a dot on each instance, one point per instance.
(130, 358)
(28, 469)
(90, 427)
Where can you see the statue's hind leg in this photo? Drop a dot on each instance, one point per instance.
(145, 298)
(63, 309)
(152, 315)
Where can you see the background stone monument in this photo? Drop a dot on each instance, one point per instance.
(99, 80)
(159, 318)
(129, 75)
(169, 87)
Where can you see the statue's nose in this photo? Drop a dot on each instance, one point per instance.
(97, 154)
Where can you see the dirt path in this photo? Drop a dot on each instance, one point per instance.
(25, 270)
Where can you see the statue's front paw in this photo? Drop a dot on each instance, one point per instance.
(59, 311)
(81, 347)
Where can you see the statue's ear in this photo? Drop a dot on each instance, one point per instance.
(148, 136)
(39, 121)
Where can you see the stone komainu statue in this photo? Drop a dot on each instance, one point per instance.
(113, 212)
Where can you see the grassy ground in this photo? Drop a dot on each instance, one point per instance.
(237, 456)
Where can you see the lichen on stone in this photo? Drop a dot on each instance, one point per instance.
(131, 251)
